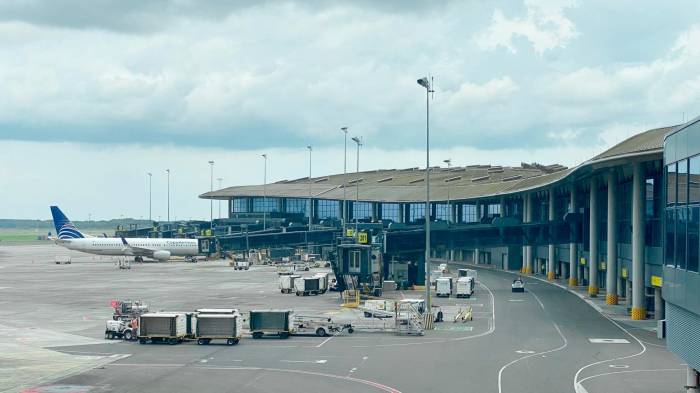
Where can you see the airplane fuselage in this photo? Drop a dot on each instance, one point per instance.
(116, 247)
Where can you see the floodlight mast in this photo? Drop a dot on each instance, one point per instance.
(425, 83)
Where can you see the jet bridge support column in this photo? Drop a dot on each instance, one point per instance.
(593, 240)
(551, 255)
(638, 309)
(573, 246)
(528, 248)
(611, 268)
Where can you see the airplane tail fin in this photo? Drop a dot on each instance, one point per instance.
(64, 227)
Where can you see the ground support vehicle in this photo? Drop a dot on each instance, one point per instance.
(121, 330)
(443, 286)
(318, 325)
(287, 282)
(467, 273)
(408, 319)
(126, 310)
(162, 327)
(285, 268)
(381, 308)
(306, 286)
(241, 265)
(298, 267)
(465, 287)
(62, 259)
(218, 327)
(274, 322)
(517, 285)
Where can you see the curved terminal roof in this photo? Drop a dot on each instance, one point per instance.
(470, 182)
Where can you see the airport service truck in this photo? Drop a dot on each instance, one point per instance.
(465, 287)
(444, 286)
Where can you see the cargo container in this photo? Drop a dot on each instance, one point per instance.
(217, 311)
(305, 286)
(444, 286)
(465, 287)
(323, 282)
(218, 326)
(379, 308)
(467, 273)
(276, 322)
(287, 282)
(162, 327)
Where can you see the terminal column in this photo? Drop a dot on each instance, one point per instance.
(593, 240)
(611, 269)
(638, 308)
(528, 248)
(551, 264)
(573, 251)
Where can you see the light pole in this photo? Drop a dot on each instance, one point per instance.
(358, 141)
(211, 189)
(265, 193)
(150, 195)
(219, 179)
(449, 208)
(428, 89)
(168, 172)
(310, 209)
(345, 181)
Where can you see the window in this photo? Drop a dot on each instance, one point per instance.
(265, 205)
(354, 264)
(694, 180)
(653, 209)
(670, 237)
(682, 182)
(416, 211)
(391, 211)
(624, 212)
(469, 213)
(494, 209)
(328, 209)
(681, 231)
(442, 212)
(671, 185)
(297, 205)
(693, 239)
(240, 205)
(361, 210)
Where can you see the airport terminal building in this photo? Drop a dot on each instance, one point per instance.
(624, 224)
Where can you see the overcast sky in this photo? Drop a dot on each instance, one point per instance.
(95, 94)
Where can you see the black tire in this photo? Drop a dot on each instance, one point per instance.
(368, 315)
(257, 335)
(232, 341)
(128, 335)
(282, 290)
(201, 341)
(111, 335)
(351, 330)
(298, 294)
(321, 332)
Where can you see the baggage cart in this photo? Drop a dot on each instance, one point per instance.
(162, 327)
(218, 326)
(274, 322)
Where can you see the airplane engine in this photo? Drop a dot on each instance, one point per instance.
(161, 255)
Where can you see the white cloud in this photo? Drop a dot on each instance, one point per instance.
(473, 94)
(544, 25)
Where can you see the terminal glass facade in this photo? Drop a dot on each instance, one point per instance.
(416, 211)
(240, 205)
(469, 213)
(265, 205)
(442, 212)
(361, 210)
(327, 209)
(391, 211)
(297, 205)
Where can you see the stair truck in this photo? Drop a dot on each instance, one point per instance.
(287, 282)
(162, 327)
(444, 286)
(465, 287)
(273, 322)
(218, 326)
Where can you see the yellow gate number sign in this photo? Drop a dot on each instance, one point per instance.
(657, 281)
(624, 272)
(349, 233)
(362, 237)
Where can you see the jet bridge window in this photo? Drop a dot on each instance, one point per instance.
(354, 264)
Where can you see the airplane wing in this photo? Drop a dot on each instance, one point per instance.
(137, 251)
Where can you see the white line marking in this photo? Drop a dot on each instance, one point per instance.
(538, 299)
(322, 361)
(583, 390)
(500, 372)
(516, 300)
(619, 366)
(608, 341)
(327, 340)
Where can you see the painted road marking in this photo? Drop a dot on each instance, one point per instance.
(524, 351)
(454, 328)
(608, 341)
(516, 300)
(619, 366)
(322, 361)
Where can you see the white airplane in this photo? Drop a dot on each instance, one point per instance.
(68, 236)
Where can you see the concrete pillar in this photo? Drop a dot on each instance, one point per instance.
(658, 304)
(611, 270)
(593, 240)
(502, 207)
(476, 256)
(528, 249)
(628, 293)
(638, 201)
(551, 258)
(573, 246)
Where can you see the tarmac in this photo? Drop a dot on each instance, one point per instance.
(547, 339)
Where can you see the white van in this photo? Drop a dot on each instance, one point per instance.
(465, 287)
(444, 286)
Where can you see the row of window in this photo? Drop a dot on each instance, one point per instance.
(682, 225)
(683, 182)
